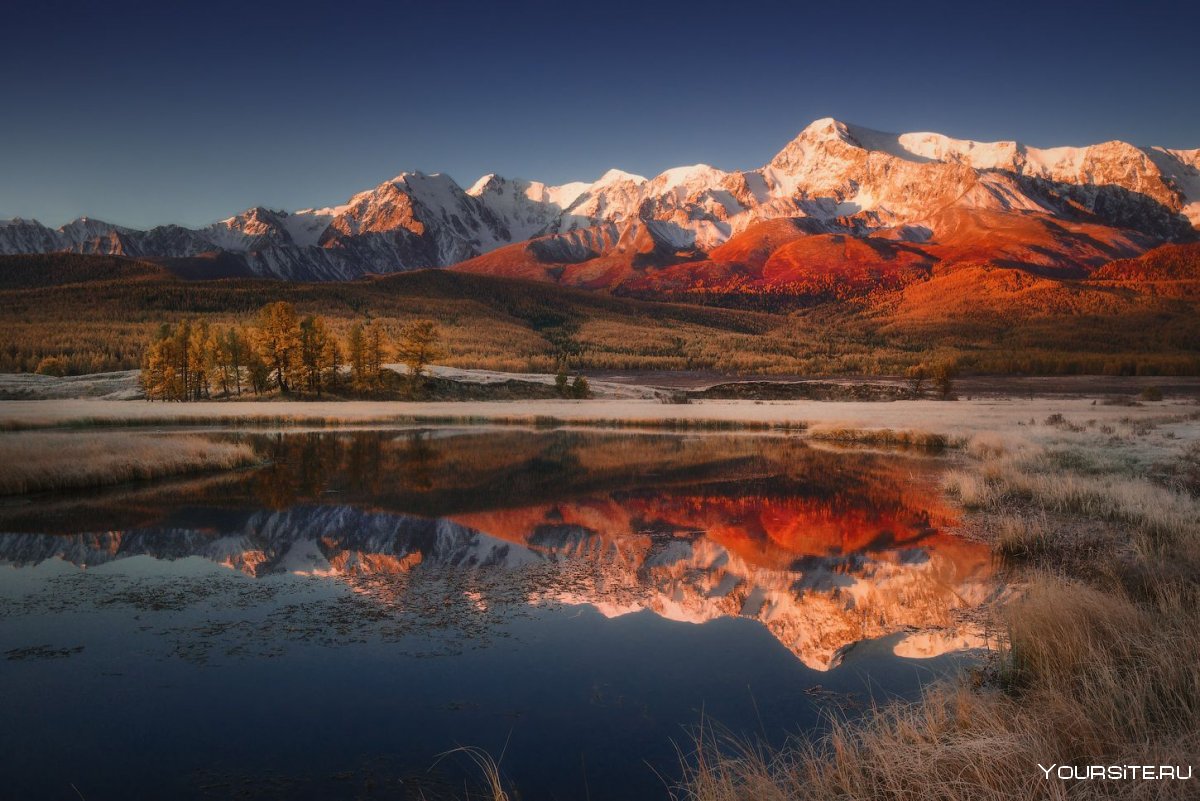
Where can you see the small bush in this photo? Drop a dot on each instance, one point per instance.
(52, 365)
(580, 388)
(917, 375)
(944, 374)
(1152, 394)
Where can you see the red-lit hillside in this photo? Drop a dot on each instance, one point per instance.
(1166, 263)
(804, 258)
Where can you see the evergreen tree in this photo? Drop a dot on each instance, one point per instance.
(154, 370)
(258, 372)
(177, 352)
(179, 362)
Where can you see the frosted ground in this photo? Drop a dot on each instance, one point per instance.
(961, 419)
(1147, 431)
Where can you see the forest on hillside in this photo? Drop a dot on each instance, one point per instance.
(73, 314)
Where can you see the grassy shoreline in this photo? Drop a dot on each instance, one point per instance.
(956, 420)
(1096, 509)
(32, 462)
(1100, 659)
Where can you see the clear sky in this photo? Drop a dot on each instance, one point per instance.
(142, 113)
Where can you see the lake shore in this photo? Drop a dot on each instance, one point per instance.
(1096, 516)
(46, 461)
(1093, 505)
(953, 419)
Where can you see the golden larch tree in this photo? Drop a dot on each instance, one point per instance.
(277, 339)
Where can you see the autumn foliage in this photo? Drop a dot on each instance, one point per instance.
(67, 314)
(280, 352)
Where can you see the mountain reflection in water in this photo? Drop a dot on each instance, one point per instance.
(826, 548)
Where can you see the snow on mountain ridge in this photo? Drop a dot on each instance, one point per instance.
(1183, 168)
(614, 175)
(831, 170)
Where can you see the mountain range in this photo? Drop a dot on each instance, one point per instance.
(840, 210)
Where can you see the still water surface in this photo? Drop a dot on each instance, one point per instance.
(327, 625)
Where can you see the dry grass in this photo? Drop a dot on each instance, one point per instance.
(973, 418)
(1097, 671)
(1092, 676)
(332, 421)
(489, 771)
(1021, 536)
(884, 436)
(956, 744)
(1044, 482)
(38, 462)
(618, 419)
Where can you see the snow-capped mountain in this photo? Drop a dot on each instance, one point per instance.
(843, 179)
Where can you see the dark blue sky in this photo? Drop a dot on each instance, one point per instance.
(141, 113)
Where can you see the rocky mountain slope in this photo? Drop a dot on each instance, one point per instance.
(839, 209)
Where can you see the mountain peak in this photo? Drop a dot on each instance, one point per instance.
(827, 126)
(476, 189)
(89, 225)
(682, 176)
(614, 175)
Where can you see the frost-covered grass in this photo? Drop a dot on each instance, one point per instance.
(43, 461)
(1091, 676)
(1100, 662)
(960, 420)
(1099, 479)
